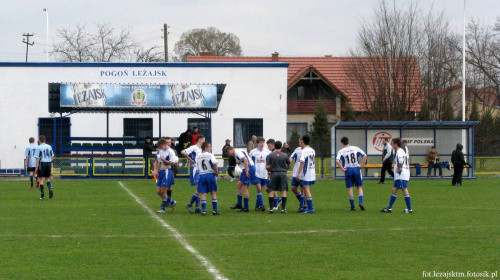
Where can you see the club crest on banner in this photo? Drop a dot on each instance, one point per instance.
(378, 140)
(139, 97)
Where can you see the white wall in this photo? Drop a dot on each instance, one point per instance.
(251, 92)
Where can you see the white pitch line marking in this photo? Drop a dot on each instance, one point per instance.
(318, 231)
(180, 238)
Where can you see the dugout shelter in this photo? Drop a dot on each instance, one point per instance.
(421, 137)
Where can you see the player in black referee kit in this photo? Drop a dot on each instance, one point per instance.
(278, 163)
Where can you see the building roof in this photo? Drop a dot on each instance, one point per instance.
(486, 96)
(332, 69)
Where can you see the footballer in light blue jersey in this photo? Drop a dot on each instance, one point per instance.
(401, 177)
(347, 159)
(44, 156)
(191, 154)
(208, 168)
(30, 153)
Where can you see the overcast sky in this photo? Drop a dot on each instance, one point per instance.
(290, 27)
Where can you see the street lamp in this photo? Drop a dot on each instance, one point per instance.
(47, 37)
(463, 68)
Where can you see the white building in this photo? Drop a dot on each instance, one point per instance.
(254, 100)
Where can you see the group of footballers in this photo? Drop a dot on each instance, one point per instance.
(348, 161)
(261, 167)
(39, 163)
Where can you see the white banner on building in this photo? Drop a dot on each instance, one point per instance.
(375, 139)
(420, 141)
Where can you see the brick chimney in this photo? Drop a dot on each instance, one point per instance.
(205, 53)
(274, 57)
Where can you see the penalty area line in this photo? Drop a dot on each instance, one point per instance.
(179, 237)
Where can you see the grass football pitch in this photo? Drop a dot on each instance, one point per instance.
(109, 229)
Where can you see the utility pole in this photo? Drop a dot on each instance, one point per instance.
(27, 42)
(165, 39)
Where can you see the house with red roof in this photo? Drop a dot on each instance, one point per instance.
(327, 78)
(486, 99)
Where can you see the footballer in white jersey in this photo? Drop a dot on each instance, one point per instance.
(259, 157)
(164, 174)
(404, 172)
(247, 177)
(349, 156)
(308, 174)
(167, 154)
(239, 155)
(295, 156)
(191, 153)
(206, 164)
(347, 160)
(401, 177)
(307, 171)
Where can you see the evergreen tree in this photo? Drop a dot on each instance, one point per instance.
(348, 115)
(474, 112)
(447, 113)
(484, 134)
(320, 134)
(425, 114)
(293, 142)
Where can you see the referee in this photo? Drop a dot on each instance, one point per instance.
(278, 164)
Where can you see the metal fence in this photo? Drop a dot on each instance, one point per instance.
(140, 167)
(486, 165)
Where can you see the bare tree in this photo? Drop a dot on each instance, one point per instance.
(440, 67)
(74, 46)
(483, 53)
(105, 45)
(194, 41)
(109, 46)
(385, 66)
(152, 54)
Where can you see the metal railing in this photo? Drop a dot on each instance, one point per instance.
(136, 166)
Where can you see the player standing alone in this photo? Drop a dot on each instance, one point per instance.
(30, 153)
(401, 177)
(207, 167)
(347, 159)
(307, 171)
(44, 158)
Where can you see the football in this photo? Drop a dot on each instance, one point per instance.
(237, 171)
(176, 160)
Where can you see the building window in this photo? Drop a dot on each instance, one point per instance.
(203, 125)
(58, 128)
(300, 128)
(139, 128)
(244, 129)
(61, 126)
